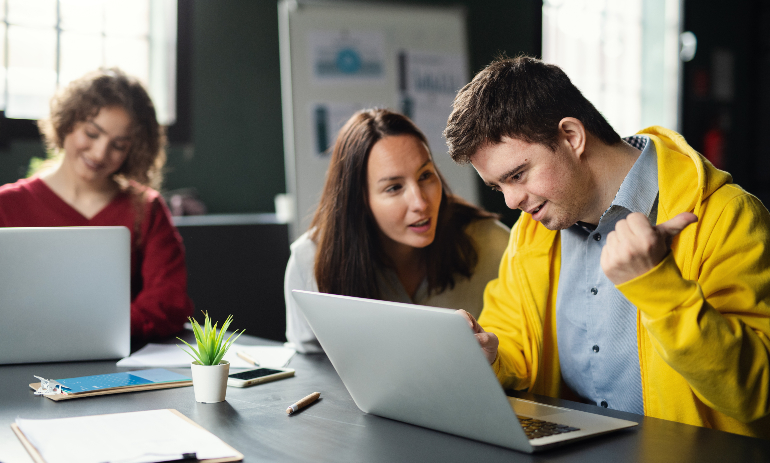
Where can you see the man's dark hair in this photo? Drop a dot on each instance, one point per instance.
(522, 98)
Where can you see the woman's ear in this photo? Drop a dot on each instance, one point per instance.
(573, 133)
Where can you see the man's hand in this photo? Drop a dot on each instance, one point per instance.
(636, 247)
(488, 341)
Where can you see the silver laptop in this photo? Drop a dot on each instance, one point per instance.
(65, 294)
(423, 365)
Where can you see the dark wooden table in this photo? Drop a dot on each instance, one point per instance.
(254, 421)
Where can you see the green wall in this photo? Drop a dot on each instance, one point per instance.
(235, 157)
(237, 143)
(14, 159)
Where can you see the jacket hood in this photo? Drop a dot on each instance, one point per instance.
(689, 177)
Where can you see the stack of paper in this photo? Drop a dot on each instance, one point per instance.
(267, 356)
(136, 437)
(171, 356)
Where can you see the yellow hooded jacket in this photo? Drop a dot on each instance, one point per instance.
(703, 318)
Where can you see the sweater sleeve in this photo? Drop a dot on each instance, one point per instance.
(162, 305)
(299, 275)
(715, 330)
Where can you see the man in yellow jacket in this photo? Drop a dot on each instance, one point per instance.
(638, 275)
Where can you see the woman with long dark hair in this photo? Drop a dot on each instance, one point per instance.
(388, 227)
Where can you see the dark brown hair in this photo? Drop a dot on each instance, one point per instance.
(522, 98)
(82, 99)
(346, 234)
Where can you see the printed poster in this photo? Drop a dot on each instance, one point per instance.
(345, 56)
(428, 83)
(327, 118)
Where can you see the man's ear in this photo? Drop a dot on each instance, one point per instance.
(573, 133)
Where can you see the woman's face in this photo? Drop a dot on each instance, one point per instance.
(404, 191)
(96, 148)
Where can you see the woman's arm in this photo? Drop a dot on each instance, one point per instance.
(162, 305)
(299, 275)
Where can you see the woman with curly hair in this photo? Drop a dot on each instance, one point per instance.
(111, 151)
(388, 227)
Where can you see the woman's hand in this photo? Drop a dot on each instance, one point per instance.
(487, 341)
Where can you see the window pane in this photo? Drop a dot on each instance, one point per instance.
(127, 18)
(78, 54)
(86, 16)
(92, 34)
(31, 71)
(598, 44)
(131, 55)
(163, 20)
(32, 12)
(31, 47)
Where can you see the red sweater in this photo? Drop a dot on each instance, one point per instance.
(159, 301)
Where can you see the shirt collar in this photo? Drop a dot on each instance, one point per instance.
(639, 189)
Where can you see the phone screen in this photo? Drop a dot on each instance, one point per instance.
(251, 374)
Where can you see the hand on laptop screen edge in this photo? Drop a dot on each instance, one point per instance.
(487, 341)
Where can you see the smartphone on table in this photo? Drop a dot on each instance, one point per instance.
(258, 376)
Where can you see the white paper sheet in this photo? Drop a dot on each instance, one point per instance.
(268, 356)
(135, 437)
(171, 356)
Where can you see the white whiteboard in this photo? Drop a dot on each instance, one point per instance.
(337, 58)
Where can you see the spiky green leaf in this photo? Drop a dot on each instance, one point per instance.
(212, 345)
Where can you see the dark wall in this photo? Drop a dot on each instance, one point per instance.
(235, 158)
(232, 270)
(733, 129)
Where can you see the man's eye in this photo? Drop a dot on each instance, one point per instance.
(494, 187)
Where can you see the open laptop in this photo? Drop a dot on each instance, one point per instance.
(423, 365)
(65, 294)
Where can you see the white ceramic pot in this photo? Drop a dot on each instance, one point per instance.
(210, 381)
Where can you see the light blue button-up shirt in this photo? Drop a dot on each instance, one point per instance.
(595, 323)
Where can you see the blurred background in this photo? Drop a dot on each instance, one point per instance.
(214, 71)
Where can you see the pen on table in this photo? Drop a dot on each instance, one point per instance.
(247, 358)
(165, 458)
(192, 456)
(302, 403)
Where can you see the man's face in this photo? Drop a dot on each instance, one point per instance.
(551, 185)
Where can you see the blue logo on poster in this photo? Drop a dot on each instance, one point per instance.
(348, 61)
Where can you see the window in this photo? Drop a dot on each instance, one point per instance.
(48, 43)
(623, 55)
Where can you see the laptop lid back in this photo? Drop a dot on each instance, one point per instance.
(65, 294)
(416, 364)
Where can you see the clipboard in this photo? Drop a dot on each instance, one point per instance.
(113, 390)
(132, 381)
(39, 459)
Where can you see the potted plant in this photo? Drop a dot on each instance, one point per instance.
(209, 371)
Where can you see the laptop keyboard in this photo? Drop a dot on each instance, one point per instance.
(535, 428)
